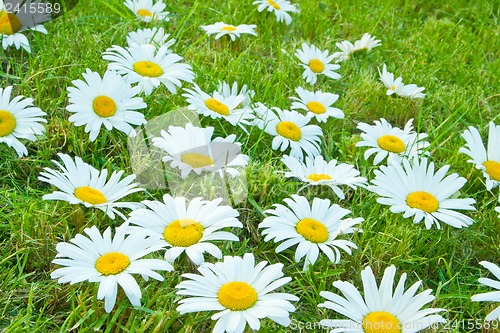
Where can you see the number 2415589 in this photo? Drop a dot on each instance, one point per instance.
(33, 8)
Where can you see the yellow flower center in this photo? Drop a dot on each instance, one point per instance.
(492, 168)
(196, 160)
(217, 106)
(316, 177)
(183, 232)
(312, 230)
(423, 201)
(112, 263)
(289, 130)
(7, 123)
(9, 23)
(228, 28)
(381, 322)
(148, 68)
(274, 4)
(237, 296)
(391, 143)
(316, 107)
(316, 66)
(104, 106)
(144, 13)
(393, 87)
(90, 195)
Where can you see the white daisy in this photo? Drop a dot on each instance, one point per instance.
(12, 24)
(148, 11)
(280, 8)
(155, 36)
(366, 43)
(398, 87)
(240, 291)
(220, 29)
(109, 261)
(189, 227)
(81, 183)
(382, 309)
(290, 129)
(149, 66)
(313, 227)
(317, 171)
(347, 50)
(318, 103)
(385, 140)
(226, 91)
(107, 101)
(486, 161)
(415, 190)
(230, 108)
(192, 148)
(492, 296)
(19, 119)
(316, 62)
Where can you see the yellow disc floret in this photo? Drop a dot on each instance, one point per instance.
(312, 230)
(7, 123)
(148, 68)
(228, 28)
(273, 4)
(196, 160)
(316, 66)
(316, 177)
(289, 130)
(104, 106)
(90, 195)
(144, 13)
(316, 107)
(423, 200)
(112, 263)
(391, 143)
(9, 23)
(237, 296)
(381, 322)
(183, 232)
(492, 169)
(217, 106)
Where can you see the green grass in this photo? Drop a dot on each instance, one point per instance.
(450, 47)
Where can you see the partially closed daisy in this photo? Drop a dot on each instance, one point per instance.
(486, 161)
(381, 309)
(187, 226)
(240, 291)
(414, 189)
(108, 101)
(149, 66)
(109, 261)
(492, 296)
(19, 119)
(230, 108)
(81, 183)
(280, 8)
(313, 227)
(290, 129)
(316, 62)
(317, 171)
(192, 148)
(220, 29)
(155, 36)
(348, 49)
(398, 87)
(385, 140)
(318, 103)
(147, 10)
(226, 91)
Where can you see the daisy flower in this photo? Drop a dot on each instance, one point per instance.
(398, 87)
(12, 24)
(149, 66)
(313, 227)
(316, 62)
(414, 189)
(317, 171)
(148, 11)
(80, 183)
(240, 291)
(155, 36)
(488, 161)
(109, 101)
(366, 43)
(109, 261)
(220, 29)
(226, 91)
(290, 129)
(192, 148)
(187, 226)
(228, 107)
(382, 309)
(280, 8)
(318, 103)
(492, 296)
(19, 119)
(385, 140)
